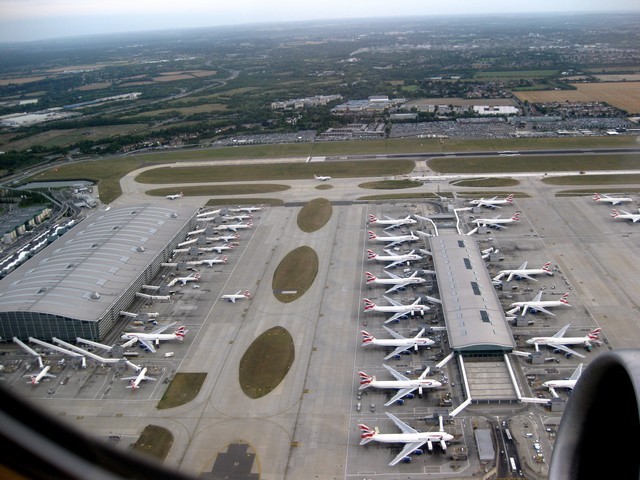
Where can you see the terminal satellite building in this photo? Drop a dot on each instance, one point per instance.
(77, 286)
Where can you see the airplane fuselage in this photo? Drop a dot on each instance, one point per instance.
(551, 341)
(399, 384)
(423, 437)
(397, 309)
(393, 342)
(560, 384)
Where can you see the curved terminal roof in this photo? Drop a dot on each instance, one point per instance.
(473, 314)
(86, 270)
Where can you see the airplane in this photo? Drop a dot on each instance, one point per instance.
(393, 258)
(634, 217)
(239, 218)
(405, 385)
(496, 222)
(220, 248)
(246, 209)
(135, 381)
(224, 238)
(398, 309)
(559, 341)
(321, 177)
(494, 202)
(208, 213)
(148, 339)
(44, 373)
(604, 198)
(523, 272)
(538, 305)
(210, 261)
(174, 196)
(234, 227)
(569, 383)
(194, 277)
(397, 282)
(239, 295)
(413, 439)
(401, 343)
(391, 240)
(391, 222)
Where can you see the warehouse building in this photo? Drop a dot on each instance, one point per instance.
(77, 286)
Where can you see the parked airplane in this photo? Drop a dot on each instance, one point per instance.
(148, 339)
(538, 305)
(560, 342)
(321, 178)
(401, 343)
(239, 295)
(391, 222)
(44, 373)
(135, 381)
(496, 222)
(397, 282)
(523, 272)
(194, 277)
(392, 240)
(224, 238)
(623, 215)
(494, 202)
(221, 248)
(569, 383)
(413, 439)
(210, 261)
(603, 198)
(405, 385)
(234, 227)
(239, 217)
(208, 213)
(398, 309)
(174, 196)
(246, 209)
(395, 260)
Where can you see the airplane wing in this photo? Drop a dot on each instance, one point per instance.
(149, 378)
(172, 282)
(542, 309)
(393, 333)
(401, 425)
(393, 244)
(395, 316)
(394, 288)
(522, 267)
(538, 297)
(392, 275)
(396, 374)
(408, 448)
(560, 333)
(148, 345)
(398, 351)
(564, 348)
(393, 302)
(401, 393)
(524, 275)
(163, 328)
(394, 264)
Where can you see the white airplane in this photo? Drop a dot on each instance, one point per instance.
(523, 272)
(321, 178)
(538, 305)
(148, 339)
(246, 209)
(560, 342)
(623, 215)
(238, 217)
(391, 222)
(397, 282)
(194, 277)
(401, 343)
(44, 373)
(497, 222)
(223, 238)
(395, 260)
(210, 261)
(405, 385)
(494, 202)
(603, 198)
(221, 248)
(239, 295)
(570, 383)
(208, 213)
(398, 309)
(135, 381)
(234, 227)
(174, 196)
(412, 438)
(392, 240)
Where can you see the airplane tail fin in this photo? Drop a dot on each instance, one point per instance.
(371, 255)
(370, 277)
(180, 332)
(596, 196)
(516, 217)
(372, 235)
(366, 337)
(614, 213)
(510, 198)
(372, 218)
(365, 380)
(547, 267)
(247, 294)
(564, 298)
(133, 385)
(594, 334)
(368, 305)
(366, 434)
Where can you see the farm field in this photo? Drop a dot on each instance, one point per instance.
(623, 95)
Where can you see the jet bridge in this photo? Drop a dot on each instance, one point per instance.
(30, 350)
(59, 349)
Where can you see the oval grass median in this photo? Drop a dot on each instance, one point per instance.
(314, 215)
(295, 274)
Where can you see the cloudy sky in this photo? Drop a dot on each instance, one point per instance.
(23, 20)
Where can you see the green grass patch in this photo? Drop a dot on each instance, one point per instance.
(314, 215)
(272, 171)
(274, 202)
(204, 190)
(183, 388)
(391, 184)
(324, 186)
(155, 442)
(295, 274)
(406, 196)
(486, 182)
(534, 163)
(614, 179)
(266, 362)
(511, 74)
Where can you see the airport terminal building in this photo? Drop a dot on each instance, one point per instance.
(77, 286)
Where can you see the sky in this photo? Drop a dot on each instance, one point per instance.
(26, 20)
